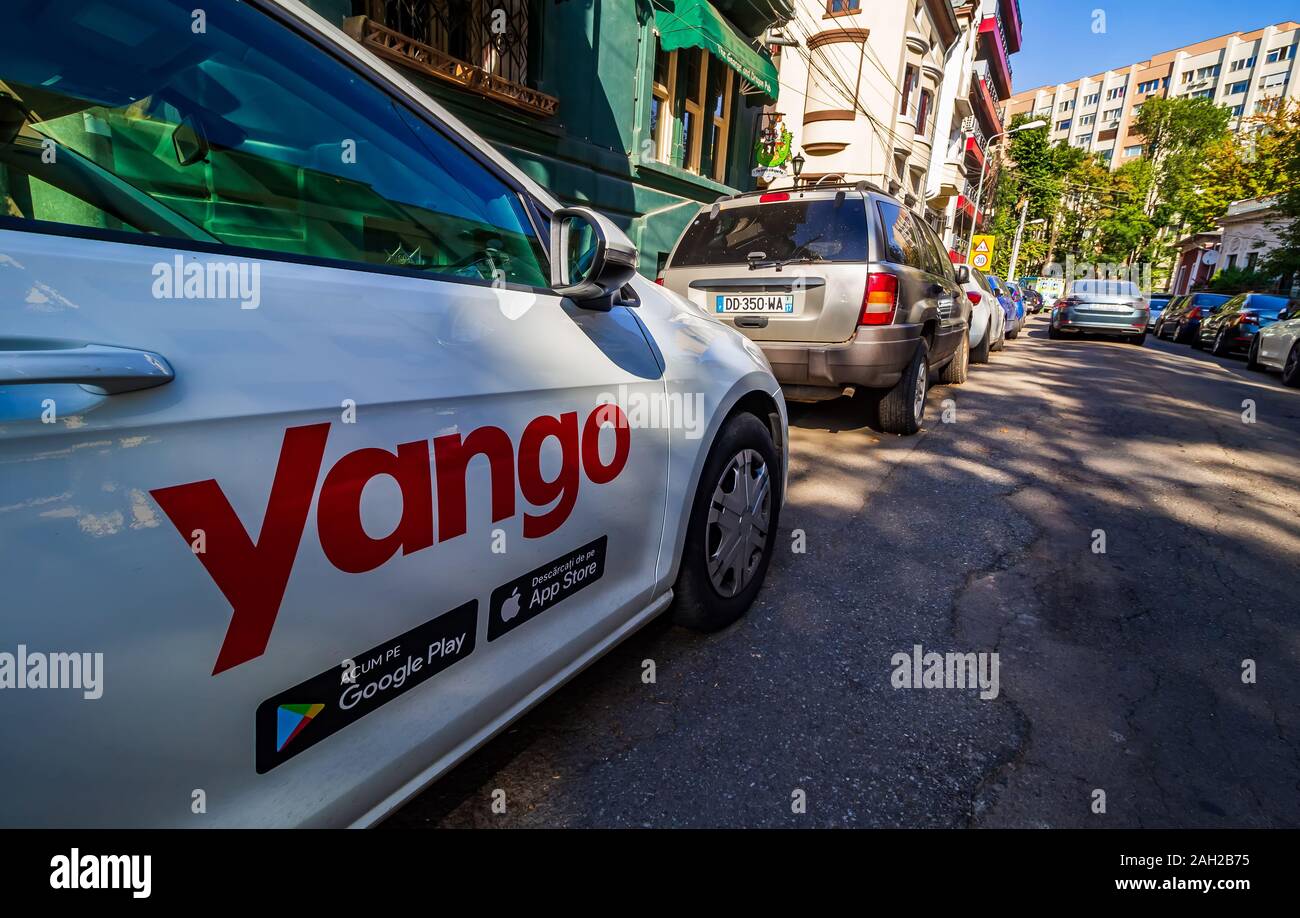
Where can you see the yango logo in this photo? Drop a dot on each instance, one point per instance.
(253, 576)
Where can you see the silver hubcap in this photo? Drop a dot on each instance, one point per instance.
(739, 514)
(918, 398)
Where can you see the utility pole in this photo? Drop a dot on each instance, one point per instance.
(1015, 246)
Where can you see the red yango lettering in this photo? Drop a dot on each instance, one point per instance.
(254, 576)
(338, 510)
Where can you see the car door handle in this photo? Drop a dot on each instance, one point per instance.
(111, 369)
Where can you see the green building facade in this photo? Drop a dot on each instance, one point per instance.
(642, 109)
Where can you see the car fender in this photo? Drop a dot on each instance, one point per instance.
(715, 367)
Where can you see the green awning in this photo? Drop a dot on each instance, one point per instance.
(696, 24)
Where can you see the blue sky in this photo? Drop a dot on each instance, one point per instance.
(1059, 43)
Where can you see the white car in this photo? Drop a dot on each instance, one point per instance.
(319, 464)
(1277, 345)
(988, 322)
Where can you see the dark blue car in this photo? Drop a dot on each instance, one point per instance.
(1012, 306)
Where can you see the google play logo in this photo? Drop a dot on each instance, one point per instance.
(291, 719)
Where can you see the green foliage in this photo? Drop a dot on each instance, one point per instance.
(1241, 280)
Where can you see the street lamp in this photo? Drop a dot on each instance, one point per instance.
(796, 163)
(979, 194)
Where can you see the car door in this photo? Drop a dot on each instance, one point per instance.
(1223, 315)
(954, 308)
(385, 458)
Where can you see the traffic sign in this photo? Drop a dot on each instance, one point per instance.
(981, 251)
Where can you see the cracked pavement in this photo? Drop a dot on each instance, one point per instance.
(1119, 672)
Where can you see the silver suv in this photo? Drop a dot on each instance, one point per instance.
(840, 286)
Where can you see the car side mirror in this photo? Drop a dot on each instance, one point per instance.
(963, 274)
(190, 142)
(591, 258)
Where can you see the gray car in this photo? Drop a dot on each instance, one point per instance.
(842, 287)
(1101, 306)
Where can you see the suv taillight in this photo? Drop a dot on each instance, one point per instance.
(880, 300)
(1247, 318)
(973, 297)
(1193, 313)
(660, 280)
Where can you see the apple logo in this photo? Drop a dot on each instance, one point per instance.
(510, 608)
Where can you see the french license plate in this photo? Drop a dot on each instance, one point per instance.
(762, 302)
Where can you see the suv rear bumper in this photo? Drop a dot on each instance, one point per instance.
(875, 358)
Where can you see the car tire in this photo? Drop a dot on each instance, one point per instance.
(1220, 347)
(703, 600)
(958, 369)
(1291, 369)
(903, 407)
(1195, 341)
(1013, 333)
(1002, 341)
(1139, 340)
(1054, 333)
(1252, 355)
(980, 353)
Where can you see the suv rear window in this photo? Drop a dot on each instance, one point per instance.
(818, 230)
(1209, 299)
(1105, 287)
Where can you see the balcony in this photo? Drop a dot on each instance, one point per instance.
(1010, 14)
(498, 78)
(986, 99)
(993, 49)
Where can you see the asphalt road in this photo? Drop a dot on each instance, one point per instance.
(1119, 671)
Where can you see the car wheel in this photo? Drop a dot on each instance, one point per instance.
(1013, 332)
(732, 528)
(1291, 369)
(1195, 341)
(1054, 333)
(980, 353)
(1139, 340)
(1220, 348)
(958, 369)
(903, 407)
(1252, 355)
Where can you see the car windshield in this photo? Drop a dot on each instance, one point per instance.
(1103, 287)
(816, 230)
(1266, 307)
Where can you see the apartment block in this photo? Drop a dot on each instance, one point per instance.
(1245, 71)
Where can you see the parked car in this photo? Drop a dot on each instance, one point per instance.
(841, 286)
(1181, 319)
(1101, 306)
(1276, 346)
(1156, 303)
(1012, 308)
(988, 323)
(1234, 325)
(212, 282)
(1033, 299)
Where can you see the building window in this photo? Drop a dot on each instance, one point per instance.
(691, 107)
(1133, 151)
(1067, 105)
(1237, 110)
(1087, 119)
(1204, 73)
(1232, 261)
(1243, 63)
(923, 112)
(909, 84)
(842, 7)
(1116, 93)
(1268, 81)
(1201, 94)
(1063, 125)
(1187, 76)
(1112, 114)
(1237, 88)
(1280, 54)
(1083, 140)
(1251, 260)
